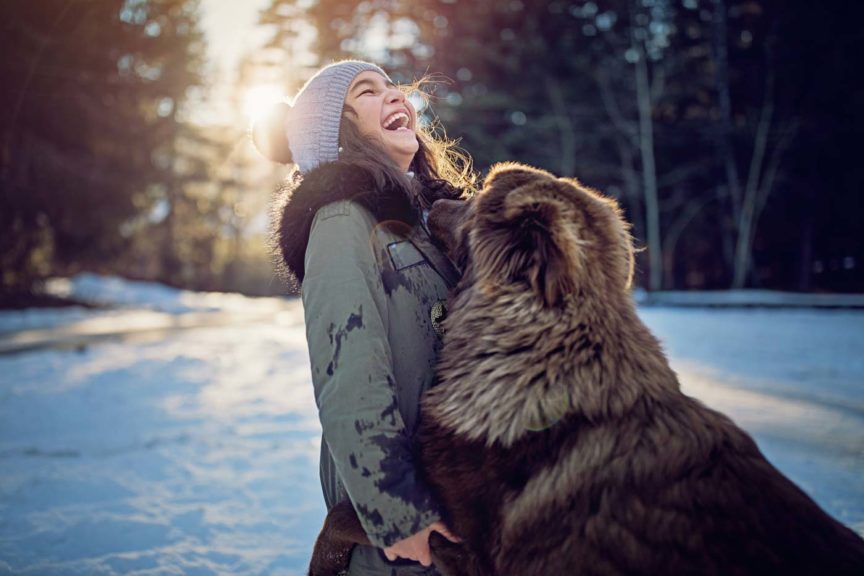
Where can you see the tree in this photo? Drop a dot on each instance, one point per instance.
(87, 102)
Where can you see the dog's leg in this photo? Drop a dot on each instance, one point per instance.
(341, 532)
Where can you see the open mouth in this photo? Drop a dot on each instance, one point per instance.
(396, 121)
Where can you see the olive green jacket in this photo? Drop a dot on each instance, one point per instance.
(370, 278)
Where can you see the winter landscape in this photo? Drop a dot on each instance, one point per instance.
(152, 430)
(175, 432)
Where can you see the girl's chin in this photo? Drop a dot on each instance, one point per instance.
(404, 146)
(400, 135)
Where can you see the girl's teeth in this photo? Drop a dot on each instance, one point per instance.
(396, 119)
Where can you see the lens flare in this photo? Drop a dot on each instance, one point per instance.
(259, 99)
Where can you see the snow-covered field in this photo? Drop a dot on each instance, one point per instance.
(182, 438)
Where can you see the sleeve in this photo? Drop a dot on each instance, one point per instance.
(346, 328)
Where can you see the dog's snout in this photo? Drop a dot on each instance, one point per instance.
(444, 214)
(447, 205)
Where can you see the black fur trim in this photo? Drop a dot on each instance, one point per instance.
(299, 201)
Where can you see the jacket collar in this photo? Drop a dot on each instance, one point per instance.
(299, 200)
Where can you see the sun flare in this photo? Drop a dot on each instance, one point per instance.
(259, 98)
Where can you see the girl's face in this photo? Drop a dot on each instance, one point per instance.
(385, 115)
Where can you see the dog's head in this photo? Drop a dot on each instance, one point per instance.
(527, 227)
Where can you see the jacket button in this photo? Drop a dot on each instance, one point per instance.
(438, 314)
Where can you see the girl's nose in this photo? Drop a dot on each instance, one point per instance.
(395, 95)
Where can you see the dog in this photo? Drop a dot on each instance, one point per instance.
(557, 438)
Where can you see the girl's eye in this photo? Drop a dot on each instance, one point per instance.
(367, 91)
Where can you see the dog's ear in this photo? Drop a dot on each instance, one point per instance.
(538, 236)
(524, 237)
(620, 253)
(511, 175)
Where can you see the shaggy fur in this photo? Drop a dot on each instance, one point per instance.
(557, 439)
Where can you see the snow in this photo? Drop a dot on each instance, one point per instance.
(186, 441)
(194, 453)
(794, 379)
(136, 308)
(115, 291)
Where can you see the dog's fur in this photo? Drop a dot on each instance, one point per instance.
(557, 438)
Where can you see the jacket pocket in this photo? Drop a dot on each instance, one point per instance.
(403, 254)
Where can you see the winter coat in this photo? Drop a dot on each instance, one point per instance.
(370, 277)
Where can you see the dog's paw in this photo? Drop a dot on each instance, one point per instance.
(452, 559)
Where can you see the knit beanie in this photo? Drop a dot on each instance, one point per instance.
(307, 132)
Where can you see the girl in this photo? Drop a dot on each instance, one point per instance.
(351, 231)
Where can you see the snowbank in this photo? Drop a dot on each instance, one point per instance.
(747, 299)
(120, 292)
(124, 307)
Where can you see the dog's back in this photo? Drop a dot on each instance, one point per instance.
(679, 490)
(673, 488)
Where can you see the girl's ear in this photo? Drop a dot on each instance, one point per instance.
(270, 136)
(348, 112)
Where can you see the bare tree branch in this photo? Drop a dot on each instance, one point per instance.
(649, 176)
(626, 127)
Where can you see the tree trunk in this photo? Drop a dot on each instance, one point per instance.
(723, 135)
(724, 100)
(649, 174)
(673, 234)
(566, 130)
(805, 264)
(746, 222)
(632, 189)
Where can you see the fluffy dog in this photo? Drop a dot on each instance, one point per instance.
(557, 438)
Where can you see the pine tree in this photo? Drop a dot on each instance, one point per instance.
(88, 106)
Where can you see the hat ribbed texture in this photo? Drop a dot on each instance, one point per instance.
(313, 123)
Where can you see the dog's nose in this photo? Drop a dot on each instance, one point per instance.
(446, 208)
(443, 203)
(445, 213)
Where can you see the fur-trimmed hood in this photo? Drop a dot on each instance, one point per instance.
(299, 200)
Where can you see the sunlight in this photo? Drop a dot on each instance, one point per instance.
(259, 98)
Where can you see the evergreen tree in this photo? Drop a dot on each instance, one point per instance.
(88, 107)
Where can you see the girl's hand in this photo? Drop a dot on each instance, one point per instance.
(416, 547)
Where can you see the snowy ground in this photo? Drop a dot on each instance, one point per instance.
(190, 444)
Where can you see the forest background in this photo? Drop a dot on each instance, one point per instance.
(729, 130)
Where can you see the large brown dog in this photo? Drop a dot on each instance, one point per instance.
(557, 438)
